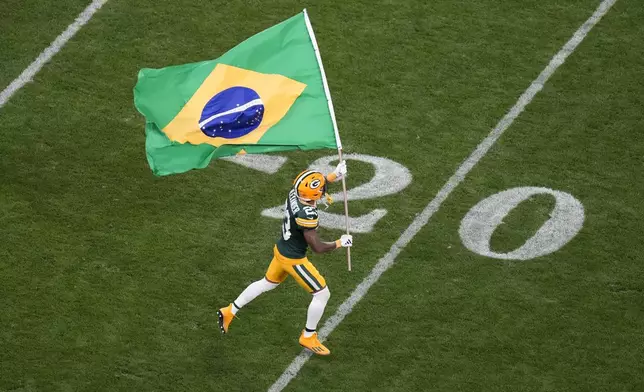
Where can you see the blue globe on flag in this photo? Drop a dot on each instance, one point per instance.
(232, 113)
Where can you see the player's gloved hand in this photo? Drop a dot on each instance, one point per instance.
(339, 172)
(346, 241)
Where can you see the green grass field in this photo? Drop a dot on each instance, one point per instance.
(110, 277)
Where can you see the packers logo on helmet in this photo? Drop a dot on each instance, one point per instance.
(310, 185)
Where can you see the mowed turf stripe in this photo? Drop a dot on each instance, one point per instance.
(423, 218)
(47, 54)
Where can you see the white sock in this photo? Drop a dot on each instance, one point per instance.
(235, 308)
(316, 309)
(251, 292)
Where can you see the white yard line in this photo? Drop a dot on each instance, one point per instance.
(46, 55)
(421, 220)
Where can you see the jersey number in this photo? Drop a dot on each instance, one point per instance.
(286, 224)
(309, 211)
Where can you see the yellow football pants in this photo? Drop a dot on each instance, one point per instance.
(302, 270)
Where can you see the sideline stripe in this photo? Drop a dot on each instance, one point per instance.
(46, 55)
(421, 220)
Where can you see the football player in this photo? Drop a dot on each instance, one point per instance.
(299, 232)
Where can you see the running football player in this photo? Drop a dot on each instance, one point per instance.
(299, 232)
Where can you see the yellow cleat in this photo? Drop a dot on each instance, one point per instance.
(312, 343)
(225, 316)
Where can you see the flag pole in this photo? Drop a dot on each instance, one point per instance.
(335, 124)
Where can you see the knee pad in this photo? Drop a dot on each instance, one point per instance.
(266, 285)
(323, 294)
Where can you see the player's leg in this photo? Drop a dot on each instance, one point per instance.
(312, 281)
(315, 311)
(309, 337)
(274, 276)
(251, 292)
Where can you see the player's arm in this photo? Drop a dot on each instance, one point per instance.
(307, 221)
(316, 244)
(319, 246)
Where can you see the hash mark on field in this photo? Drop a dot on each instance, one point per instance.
(46, 55)
(421, 220)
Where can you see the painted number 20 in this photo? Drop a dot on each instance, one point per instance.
(477, 227)
(390, 177)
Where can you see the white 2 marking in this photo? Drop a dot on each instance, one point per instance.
(265, 163)
(390, 177)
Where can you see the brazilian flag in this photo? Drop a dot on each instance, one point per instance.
(266, 94)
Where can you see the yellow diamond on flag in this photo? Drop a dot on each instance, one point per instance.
(233, 106)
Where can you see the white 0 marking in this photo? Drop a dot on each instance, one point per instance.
(390, 177)
(478, 225)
